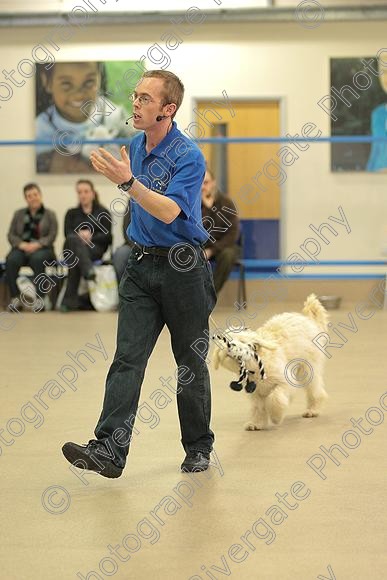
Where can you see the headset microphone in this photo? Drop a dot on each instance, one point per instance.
(158, 119)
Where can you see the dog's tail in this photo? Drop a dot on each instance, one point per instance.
(315, 310)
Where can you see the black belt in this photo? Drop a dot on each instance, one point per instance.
(156, 250)
(153, 250)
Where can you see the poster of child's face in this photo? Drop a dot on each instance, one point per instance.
(359, 107)
(78, 101)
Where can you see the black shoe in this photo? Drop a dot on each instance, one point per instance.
(196, 461)
(84, 303)
(92, 456)
(64, 308)
(91, 275)
(15, 305)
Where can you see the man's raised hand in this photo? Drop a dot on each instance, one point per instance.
(118, 171)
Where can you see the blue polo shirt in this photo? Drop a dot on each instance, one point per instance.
(175, 168)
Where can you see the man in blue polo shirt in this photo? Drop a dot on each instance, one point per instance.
(167, 280)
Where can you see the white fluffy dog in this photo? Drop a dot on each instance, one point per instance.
(281, 356)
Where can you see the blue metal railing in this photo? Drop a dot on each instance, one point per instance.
(125, 140)
(261, 269)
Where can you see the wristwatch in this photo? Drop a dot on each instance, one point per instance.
(127, 185)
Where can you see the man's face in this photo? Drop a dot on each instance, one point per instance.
(150, 90)
(71, 86)
(208, 186)
(33, 199)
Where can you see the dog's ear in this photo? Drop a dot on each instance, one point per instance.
(265, 343)
(255, 337)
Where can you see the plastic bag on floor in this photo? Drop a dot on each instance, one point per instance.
(104, 291)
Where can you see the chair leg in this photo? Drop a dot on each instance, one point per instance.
(239, 293)
(242, 297)
(244, 287)
(5, 296)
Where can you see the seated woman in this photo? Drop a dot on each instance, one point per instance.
(222, 247)
(121, 255)
(31, 234)
(87, 230)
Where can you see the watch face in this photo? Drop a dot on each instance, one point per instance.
(127, 186)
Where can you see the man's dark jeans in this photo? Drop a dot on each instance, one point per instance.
(153, 292)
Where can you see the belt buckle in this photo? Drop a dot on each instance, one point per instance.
(142, 253)
(139, 251)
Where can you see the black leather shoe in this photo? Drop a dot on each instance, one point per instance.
(93, 456)
(196, 461)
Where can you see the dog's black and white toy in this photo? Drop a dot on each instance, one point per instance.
(243, 353)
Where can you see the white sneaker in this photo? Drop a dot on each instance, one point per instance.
(30, 299)
(26, 287)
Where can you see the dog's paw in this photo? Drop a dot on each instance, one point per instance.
(309, 413)
(250, 426)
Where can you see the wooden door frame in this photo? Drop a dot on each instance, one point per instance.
(282, 101)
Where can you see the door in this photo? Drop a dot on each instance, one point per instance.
(247, 172)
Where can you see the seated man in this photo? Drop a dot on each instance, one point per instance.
(31, 234)
(121, 255)
(221, 221)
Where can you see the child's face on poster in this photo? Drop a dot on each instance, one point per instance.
(71, 86)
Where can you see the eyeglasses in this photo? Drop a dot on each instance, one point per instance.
(143, 99)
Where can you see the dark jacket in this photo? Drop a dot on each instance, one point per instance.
(101, 224)
(48, 228)
(222, 225)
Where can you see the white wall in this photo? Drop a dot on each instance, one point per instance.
(326, 3)
(246, 60)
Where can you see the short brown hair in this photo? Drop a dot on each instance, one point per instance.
(29, 186)
(173, 87)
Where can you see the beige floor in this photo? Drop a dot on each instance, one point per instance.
(337, 531)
